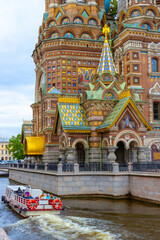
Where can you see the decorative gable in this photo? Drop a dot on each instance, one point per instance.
(85, 12)
(59, 12)
(155, 90)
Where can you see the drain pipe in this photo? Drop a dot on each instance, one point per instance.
(100, 151)
(87, 149)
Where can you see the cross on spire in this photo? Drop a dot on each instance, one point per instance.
(106, 30)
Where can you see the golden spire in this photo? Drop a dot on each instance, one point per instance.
(106, 30)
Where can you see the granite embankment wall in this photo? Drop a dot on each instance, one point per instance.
(3, 235)
(145, 186)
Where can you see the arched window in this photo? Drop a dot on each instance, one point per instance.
(55, 35)
(78, 20)
(85, 36)
(120, 68)
(65, 21)
(68, 35)
(154, 65)
(146, 26)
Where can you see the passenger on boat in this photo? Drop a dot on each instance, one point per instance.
(30, 196)
(27, 191)
(48, 196)
(42, 196)
(19, 192)
(51, 197)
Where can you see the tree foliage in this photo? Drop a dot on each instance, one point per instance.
(15, 147)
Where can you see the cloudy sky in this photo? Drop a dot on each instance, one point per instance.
(19, 24)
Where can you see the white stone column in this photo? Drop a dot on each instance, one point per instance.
(71, 155)
(76, 168)
(142, 155)
(59, 168)
(111, 156)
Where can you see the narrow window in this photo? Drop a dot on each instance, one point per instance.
(154, 65)
(156, 110)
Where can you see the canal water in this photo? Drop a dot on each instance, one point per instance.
(86, 219)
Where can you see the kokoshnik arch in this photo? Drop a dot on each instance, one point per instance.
(97, 92)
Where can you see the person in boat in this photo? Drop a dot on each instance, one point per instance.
(42, 196)
(51, 197)
(48, 196)
(19, 191)
(27, 191)
(30, 196)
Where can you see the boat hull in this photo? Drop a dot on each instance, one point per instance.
(26, 214)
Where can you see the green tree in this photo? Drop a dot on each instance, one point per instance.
(15, 147)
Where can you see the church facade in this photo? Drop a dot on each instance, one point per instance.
(97, 93)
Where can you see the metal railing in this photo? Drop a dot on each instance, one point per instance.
(91, 167)
(52, 167)
(123, 167)
(95, 167)
(146, 167)
(68, 167)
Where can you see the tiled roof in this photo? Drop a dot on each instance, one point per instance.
(73, 116)
(106, 63)
(54, 91)
(114, 113)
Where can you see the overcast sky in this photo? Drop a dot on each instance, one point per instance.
(19, 24)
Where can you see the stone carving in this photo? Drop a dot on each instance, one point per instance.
(155, 90)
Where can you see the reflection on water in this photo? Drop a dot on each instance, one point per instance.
(86, 219)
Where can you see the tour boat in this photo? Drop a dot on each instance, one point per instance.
(37, 204)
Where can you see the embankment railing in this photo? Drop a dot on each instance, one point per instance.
(90, 167)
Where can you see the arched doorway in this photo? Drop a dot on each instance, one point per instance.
(120, 152)
(80, 153)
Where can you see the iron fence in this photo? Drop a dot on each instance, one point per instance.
(32, 166)
(123, 167)
(40, 166)
(52, 167)
(95, 167)
(146, 167)
(68, 167)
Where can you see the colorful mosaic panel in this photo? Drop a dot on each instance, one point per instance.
(65, 21)
(92, 22)
(53, 23)
(116, 110)
(85, 36)
(106, 62)
(135, 14)
(68, 35)
(101, 38)
(109, 96)
(150, 13)
(155, 153)
(116, 78)
(78, 20)
(54, 35)
(146, 26)
(73, 115)
(106, 78)
(58, 15)
(127, 122)
(85, 75)
(85, 14)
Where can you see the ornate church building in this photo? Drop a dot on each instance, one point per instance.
(97, 93)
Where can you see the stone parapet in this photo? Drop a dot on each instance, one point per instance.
(143, 186)
(3, 235)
